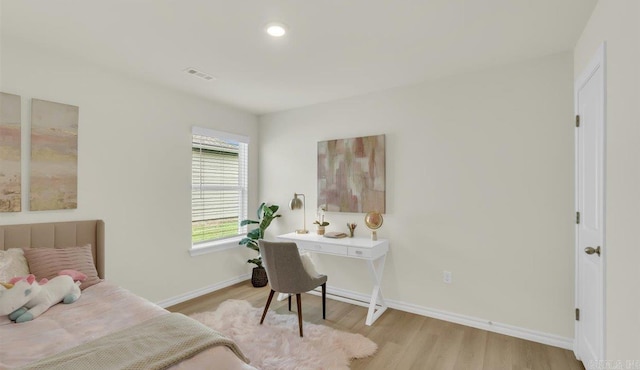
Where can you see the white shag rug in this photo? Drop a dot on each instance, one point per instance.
(276, 344)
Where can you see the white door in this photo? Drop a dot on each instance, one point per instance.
(590, 248)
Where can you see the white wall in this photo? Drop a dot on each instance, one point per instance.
(618, 23)
(133, 167)
(479, 183)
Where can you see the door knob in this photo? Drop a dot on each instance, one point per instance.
(591, 250)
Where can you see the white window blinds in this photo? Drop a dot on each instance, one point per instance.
(219, 171)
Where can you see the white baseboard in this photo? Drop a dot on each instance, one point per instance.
(202, 291)
(363, 300)
(496, 327)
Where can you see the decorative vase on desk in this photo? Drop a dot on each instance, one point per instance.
(320, 230)
(352, 228)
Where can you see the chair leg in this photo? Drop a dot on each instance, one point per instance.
(267, 306)
(299, 301)
(324, 301)
(289, 302)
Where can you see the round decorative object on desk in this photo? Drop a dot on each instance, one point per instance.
(259, 277)
(320, 230)
(373, 220)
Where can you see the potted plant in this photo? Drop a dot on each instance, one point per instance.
(266, 214)
(321, 226)
(321, 222)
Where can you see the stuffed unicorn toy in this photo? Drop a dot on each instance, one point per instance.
(27, 299)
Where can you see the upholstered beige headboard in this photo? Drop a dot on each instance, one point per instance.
(57, 235)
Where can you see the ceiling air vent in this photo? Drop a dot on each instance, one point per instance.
(202, 75)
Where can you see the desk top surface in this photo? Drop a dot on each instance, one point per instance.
(359, 242)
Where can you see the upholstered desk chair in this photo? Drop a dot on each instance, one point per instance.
(287, 275)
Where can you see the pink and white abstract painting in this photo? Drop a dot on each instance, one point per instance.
(351, 174)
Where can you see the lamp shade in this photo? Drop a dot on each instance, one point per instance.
(295, 203)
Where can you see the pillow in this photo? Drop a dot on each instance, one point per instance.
(47, 262)
(308, 264)
(12, 264)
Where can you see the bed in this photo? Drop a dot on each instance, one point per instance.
(106, 315)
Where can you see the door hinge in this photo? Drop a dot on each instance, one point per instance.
(577, 314)
(577, 217)
(577, 120)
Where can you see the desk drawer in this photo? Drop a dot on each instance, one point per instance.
(360, 252)
(324, 248)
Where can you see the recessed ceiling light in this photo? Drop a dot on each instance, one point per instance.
(276, 29)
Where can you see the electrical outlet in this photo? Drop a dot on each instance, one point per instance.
(447, 277)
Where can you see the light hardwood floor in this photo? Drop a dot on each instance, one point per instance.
(405, 340)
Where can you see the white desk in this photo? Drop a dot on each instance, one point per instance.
(373, 252)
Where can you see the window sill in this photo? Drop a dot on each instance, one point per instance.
(215, 246)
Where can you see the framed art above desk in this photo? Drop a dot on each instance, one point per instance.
(373, 252)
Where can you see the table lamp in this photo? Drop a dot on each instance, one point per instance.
(297, 203)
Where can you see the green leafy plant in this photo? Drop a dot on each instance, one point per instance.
(266, 214)
(323, 223)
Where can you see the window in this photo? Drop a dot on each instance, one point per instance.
(219, 163)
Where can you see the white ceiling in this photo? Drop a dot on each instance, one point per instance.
(334, 48)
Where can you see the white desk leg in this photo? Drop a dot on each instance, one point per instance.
(376, 268)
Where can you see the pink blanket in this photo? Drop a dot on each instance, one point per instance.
(102, 309)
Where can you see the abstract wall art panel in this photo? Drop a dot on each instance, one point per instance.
(351, 174)
(10, 184)
(54, 156)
